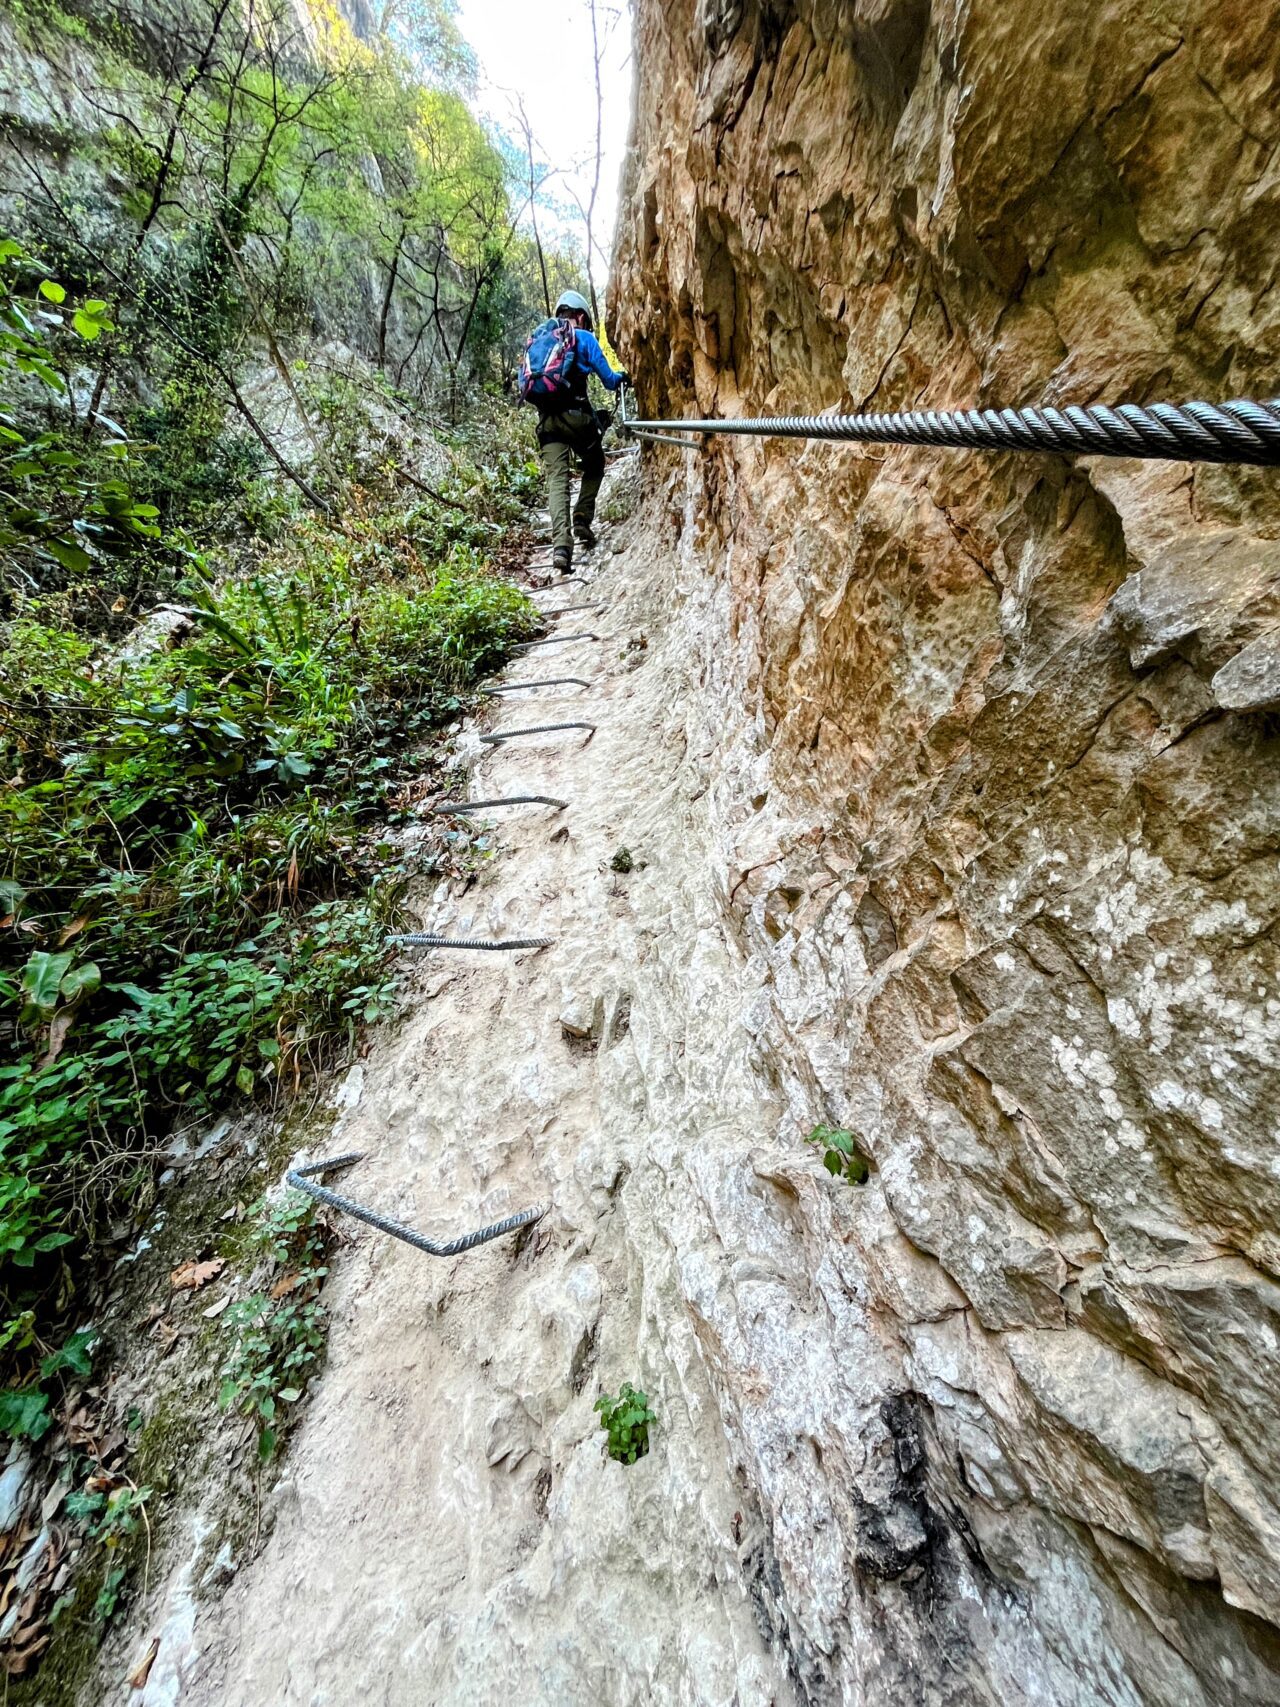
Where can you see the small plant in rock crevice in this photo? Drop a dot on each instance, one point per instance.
(112, 1511)
(278, 1332)
(842, 1155)
(626, 1421)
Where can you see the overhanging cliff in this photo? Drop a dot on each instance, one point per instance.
(993, 751)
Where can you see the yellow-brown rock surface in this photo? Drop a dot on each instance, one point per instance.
(996, 779)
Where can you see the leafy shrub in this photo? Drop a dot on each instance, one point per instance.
(191, 913)
(842, 1155)
(199, 472)
(626, 1421)
(64, 499)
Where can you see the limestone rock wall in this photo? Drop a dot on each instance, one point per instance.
(994, 771)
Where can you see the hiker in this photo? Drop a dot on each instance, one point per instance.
(559, 355)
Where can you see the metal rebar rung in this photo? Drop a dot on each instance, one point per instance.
(428, 939)
(670, 439)
(1237, 431)
(551, 640)
(300, 1178)
(568, 610)
(533, 729)
(546, 682)
(506, 800)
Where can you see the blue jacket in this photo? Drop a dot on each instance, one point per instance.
(593, 357)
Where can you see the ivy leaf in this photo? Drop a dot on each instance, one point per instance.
(25, 1414)
(74, 1353)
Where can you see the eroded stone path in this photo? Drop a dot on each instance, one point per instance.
(446, 1528)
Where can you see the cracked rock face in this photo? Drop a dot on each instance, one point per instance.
(994, 772)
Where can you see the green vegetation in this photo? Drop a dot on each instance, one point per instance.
(842, 1155)
(258, 457)
(626, 1421)
(278, 1335)
(192, 906)
(59, 501)
(111, 1513)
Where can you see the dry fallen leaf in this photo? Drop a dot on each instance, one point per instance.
(59, 1026)
(142, 1671)
(73, 929)
(53, 1499)
(288, 1283)
(216, 1309)
(167, 1334)
(191, 1276)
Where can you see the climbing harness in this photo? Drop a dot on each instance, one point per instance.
(545, 682)
(533, 729)
(427, 939)
(1238, 431)
(506, 800)
(302, 1179)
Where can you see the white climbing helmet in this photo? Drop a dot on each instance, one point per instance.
(575, 303)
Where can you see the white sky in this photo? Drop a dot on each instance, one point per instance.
(518, 42)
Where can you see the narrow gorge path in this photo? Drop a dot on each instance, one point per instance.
(446, 1527)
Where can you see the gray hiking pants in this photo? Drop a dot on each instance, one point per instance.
(561, 440)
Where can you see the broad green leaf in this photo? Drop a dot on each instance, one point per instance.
(83, 980)
(54, 292)
(41, 978)
(70, 556)
(53, 1242)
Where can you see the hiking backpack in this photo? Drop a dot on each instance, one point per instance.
(550, 364)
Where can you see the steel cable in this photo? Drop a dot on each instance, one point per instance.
(1239, 431)
(301, 1179)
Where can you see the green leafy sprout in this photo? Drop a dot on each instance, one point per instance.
(842, 1155)
(626, 1421)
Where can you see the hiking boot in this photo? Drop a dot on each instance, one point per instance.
(562, 560)
(583, 534)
